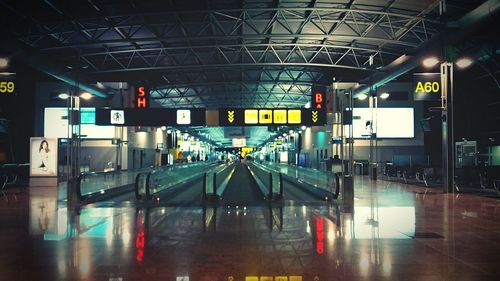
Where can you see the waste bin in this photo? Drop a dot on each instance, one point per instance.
(348, 193)
(373, 171)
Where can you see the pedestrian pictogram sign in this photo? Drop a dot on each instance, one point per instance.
(183, 117)
(117, 117)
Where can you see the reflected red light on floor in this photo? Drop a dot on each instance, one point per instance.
(140, 238)
(320, 235)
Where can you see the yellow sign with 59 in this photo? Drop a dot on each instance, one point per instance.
(7, 87)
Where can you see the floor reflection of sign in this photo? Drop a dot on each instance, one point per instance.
(267, 278)
(117, 117)
(294, 116)
(295, 278)
(183, 117)
(182, 278)
(251, 278)
(279, 116)
(281, 278)
(251, 116)
(265, 116)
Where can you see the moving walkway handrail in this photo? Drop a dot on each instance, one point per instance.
(217, 180)
(131, 177)
(154, 180)
(126, 178)
(304, 175)
(270, 186)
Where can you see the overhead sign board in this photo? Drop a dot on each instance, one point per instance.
(228, 117)
(269, 116)
(426, 86)
(153, 117)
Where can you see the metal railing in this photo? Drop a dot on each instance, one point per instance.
(101, 185)
(168, 178)
(269, 181)
(322, 183)
(217, 180)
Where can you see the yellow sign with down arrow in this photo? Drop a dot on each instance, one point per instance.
(230, 116)
(314, 116)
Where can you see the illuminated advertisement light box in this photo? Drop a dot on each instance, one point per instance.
(279, 116)
(43, 157)
(391, 123)
(294, 116)
(265, 116)
(56, 124)
(87, 115)
(239, 142)
(251, 116)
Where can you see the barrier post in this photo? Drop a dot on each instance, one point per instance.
(214, 183)
(270, 186)
(136, 187)
(204, 186)
(337, 186)
(348, 193)
(281, 185)
(148, 193)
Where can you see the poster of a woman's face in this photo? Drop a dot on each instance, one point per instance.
(43, 157)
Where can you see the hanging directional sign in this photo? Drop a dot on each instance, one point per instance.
(318, 97)
(426, 86)
(265, 116)
(239, 117)
(117, 117)
(295, 116)
(183, 117)
(231, 116)
(141, 99)
(279, 116)
(318, 105)
(269, 116)
(153, 117)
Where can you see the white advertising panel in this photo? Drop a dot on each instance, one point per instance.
(56, 124)
(43, 157)
(386, 122)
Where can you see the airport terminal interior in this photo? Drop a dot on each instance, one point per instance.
(250, 140)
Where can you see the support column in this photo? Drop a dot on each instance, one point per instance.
(447, 128)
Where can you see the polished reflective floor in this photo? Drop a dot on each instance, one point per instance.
(394, 232)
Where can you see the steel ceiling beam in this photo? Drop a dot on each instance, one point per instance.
(463, 26)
